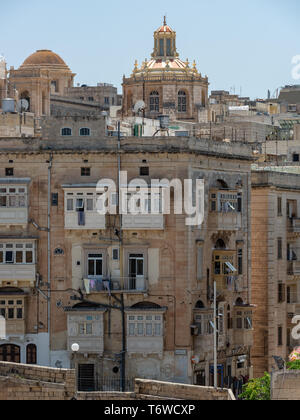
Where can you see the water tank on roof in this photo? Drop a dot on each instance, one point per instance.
(8, 105)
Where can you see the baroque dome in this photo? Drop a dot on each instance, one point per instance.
(45, 58)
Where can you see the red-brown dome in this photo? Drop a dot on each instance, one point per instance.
(44, 58)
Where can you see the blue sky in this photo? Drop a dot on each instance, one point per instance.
(246, 44)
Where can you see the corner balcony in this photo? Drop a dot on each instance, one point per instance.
(137, 284)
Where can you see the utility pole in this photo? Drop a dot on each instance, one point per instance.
(215, 337)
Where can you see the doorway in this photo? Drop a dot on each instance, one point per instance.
(86, 378)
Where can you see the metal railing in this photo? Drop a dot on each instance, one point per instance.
(114, 284)
(105, 384)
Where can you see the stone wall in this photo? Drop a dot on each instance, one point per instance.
(27, 382)
(285, 386)
(181, 392)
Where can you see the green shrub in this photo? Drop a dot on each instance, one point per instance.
(257, 389)
(295, 365)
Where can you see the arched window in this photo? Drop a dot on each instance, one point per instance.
(66, 131)
(200, 305)
(25, 95)
(31, 354)
(182, 101)
(10, 353)
(220, 244)
(222, 184)
(154, 101)
(239, 302)
(84, 132)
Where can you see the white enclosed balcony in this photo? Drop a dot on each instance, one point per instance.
(81, 208)
(86, 328)
(17, 263)
(14, 201)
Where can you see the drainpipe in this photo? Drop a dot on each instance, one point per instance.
(123, 354)
(49, 255)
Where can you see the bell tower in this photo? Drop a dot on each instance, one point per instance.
(165, 43)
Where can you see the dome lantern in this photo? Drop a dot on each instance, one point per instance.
(164, 42)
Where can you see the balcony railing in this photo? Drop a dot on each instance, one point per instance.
(294, 225)
(116, 284)
(293, 268)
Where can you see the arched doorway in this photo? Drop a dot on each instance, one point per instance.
(31, 354)
(10, 353)
(26, 95)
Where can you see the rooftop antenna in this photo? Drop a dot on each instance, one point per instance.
(165, 20)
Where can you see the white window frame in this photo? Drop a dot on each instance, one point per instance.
(19, 192)
(87, 197)
(15, 247)
(139, 323)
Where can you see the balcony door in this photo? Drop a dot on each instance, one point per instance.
(95, 266)
(136, 271)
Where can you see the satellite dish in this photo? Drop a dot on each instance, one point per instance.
(139, 107)
(22, 105)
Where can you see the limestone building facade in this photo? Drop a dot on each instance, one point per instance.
(54, 246)
(275, 265)
(165, 83)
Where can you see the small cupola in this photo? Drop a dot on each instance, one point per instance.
(164, 42)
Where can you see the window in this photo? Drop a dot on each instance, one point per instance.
(31, 354)
(169, 52)
(54, 199)
(239, 320)
(279, 248)
(16, 253)
(182, 101)
(144, 171)
(12, 309)
(95, 266)
(115, 254)
(10, 353)
(86, 328)
(154, 101)
(13, 197)
(85, 171)
(9, 171)
(81, 202)
(296, 157)
(226, 202)
(106, 100)
(240, 262)
(281, 293)
(279, 336)
(84, 132)
(145, 325)
(161, 48)
(66, 131)
(91, 98)
(279, 206)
